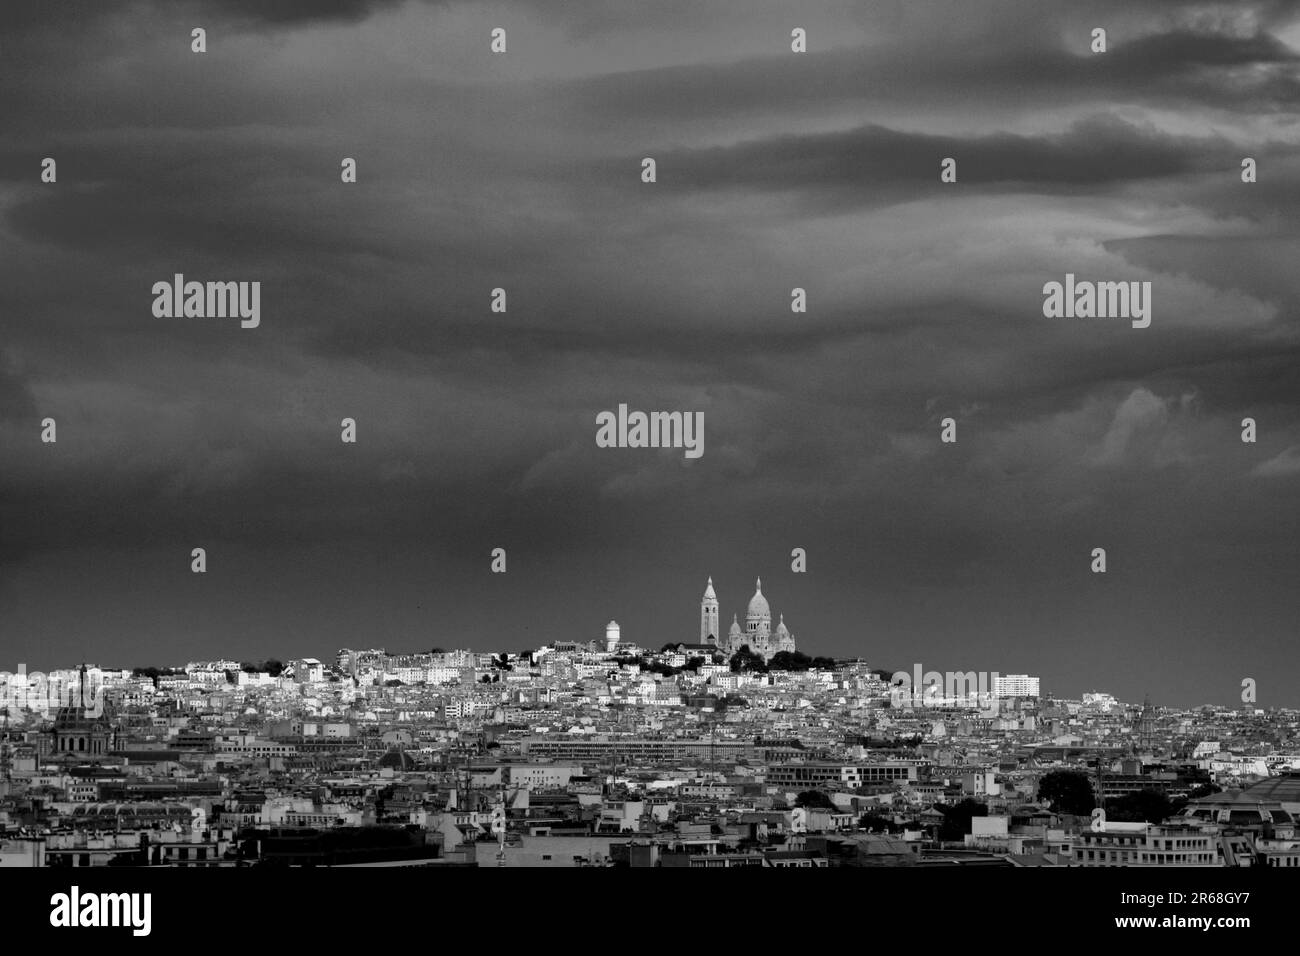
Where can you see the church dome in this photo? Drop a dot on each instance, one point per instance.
(758, 607)
(735, 626)
(72, 719)
(781, 629)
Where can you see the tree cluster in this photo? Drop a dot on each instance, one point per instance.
(957, 818)
(746, 660)
(693, 664)
(269, 666)
(1067, 791)
(814, 800)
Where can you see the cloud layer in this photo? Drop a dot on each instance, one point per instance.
(775, 171)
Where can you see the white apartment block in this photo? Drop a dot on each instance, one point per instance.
(1015, 685)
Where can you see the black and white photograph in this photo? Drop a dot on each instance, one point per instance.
(448, 435)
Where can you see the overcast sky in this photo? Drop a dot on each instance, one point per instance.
(477, 430)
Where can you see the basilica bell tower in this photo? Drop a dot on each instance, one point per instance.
(709, 616)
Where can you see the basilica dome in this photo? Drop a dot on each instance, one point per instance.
(758, 607)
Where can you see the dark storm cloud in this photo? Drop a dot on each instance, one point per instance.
(1166, 69)
(16, 402)
(248, 13)
(40, 16)
(1268, 203)
(583, 18)
(1262, 266)
(476, 428)
(874, 164)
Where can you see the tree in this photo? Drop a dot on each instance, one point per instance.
(874, 821)
(957, 818)
(789, 661)
(746, 660)
(670, 647)
(1067, 791)
(814, 800)
(270, 666)
(1150, 806)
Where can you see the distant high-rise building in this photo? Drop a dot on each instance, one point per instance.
(1146, 728)
(1016, 685)
(611, 637)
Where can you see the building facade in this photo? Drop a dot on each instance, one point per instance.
(757, 634)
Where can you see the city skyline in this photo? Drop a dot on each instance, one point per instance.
(970, 658)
